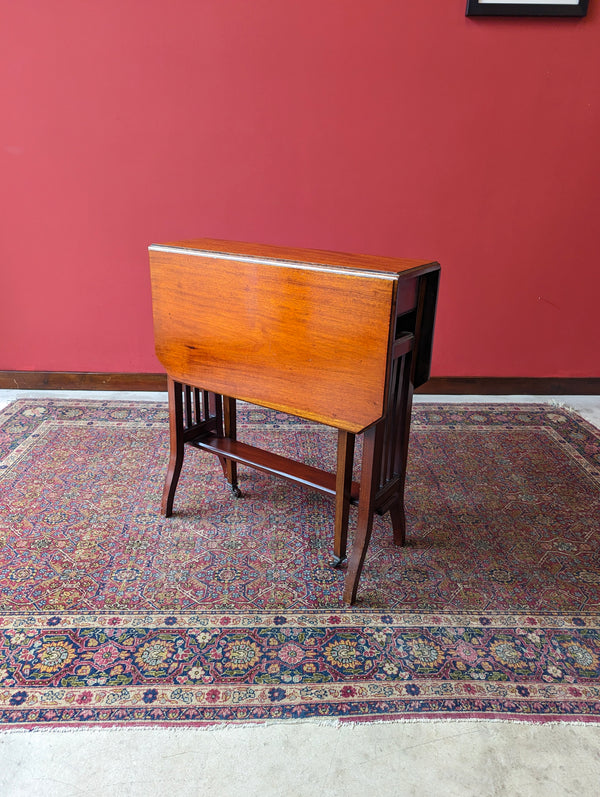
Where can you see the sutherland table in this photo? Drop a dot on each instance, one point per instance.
(335, 338)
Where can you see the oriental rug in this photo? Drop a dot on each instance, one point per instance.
(229, 611)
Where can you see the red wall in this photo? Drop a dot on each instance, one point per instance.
(382, 126)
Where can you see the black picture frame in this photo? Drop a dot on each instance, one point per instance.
(525, 8)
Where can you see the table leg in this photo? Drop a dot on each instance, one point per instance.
(369, 483)
(230, 427)
(398, 517)
(397, 512)
(215, 410)
(176, 446)
(343, 488)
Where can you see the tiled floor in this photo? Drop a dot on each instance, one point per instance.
(307, 758)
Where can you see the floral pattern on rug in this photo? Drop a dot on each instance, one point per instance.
(251, 668)
(230, 611)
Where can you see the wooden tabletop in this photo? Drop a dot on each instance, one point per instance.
(305, 257)
(304, 331)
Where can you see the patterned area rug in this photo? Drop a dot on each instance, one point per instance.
(230, 612)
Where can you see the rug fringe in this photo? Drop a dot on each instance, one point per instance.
(338, 724)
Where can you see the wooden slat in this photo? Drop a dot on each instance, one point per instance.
(204, 427)
(403, 345)
(272, 463)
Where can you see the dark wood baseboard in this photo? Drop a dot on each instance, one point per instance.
(512, 385)
(73, 380)
(437, 385)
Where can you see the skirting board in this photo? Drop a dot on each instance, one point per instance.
(456, 385)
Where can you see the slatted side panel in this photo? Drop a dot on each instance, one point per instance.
(202, 413)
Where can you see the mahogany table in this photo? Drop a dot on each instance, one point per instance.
(336, 338)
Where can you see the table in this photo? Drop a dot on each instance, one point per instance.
(342, 339)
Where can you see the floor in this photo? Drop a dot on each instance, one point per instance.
(310, 758)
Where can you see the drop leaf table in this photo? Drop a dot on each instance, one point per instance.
(341, 339)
